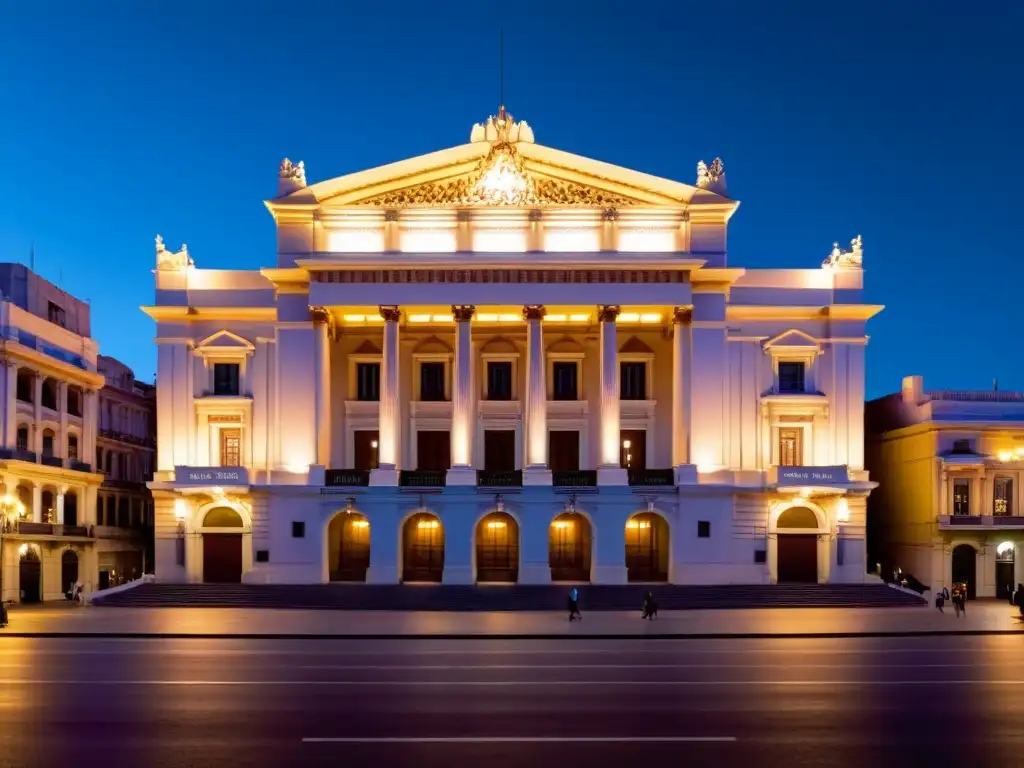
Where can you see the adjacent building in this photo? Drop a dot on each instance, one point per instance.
(950, 464)
(126, 455)
(50, 386)
(505, 362)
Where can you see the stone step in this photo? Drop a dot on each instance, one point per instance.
(506, 598)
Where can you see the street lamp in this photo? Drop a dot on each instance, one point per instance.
(11, 510)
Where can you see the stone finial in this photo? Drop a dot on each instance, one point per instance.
(502, 128)
(848, 258)
(290, 177)
(169, 260)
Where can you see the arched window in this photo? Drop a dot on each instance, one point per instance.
(99, 511)
(48, 440)
(26, 385)
(23, 438)
(74, 401)
(49, 507)
(70, 508)
(73, 447)
(49, 399)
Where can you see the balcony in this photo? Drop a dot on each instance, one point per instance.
(651, 477)
(422, 478)
(499, 478)
(574, 478)
(52, 461)
(124, 437)
(959, 522)
(57, 530)
(80, 466)
(17, 454)
(347, 477)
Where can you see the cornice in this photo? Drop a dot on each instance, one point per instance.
(201, 314)
(63, 371)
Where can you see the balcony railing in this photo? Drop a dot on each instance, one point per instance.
(52, 461)
(347, 477)
(965, 520)
(422, 478)
(80, 466)
(17, 454)
(112, 434)
(647, 477)
(981, 521)
(574, 478)
(30, 528)
(499, 478)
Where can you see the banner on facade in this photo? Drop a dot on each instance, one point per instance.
(205, 476)
(813, 476)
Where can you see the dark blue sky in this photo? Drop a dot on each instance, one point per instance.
(897, 120)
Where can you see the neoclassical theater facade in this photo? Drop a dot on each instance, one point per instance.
(502, 362)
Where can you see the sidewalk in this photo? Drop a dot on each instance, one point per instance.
(59, 620)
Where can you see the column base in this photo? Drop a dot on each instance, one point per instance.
(382, 574)
(534, 573)
(612, 475)
(384, 476)
(461, 476)
(610, 574)
(686, 474)
(458, 574)
(536, 476)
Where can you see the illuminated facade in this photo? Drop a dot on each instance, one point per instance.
(50, 390)
(505, 362)
(951, 470)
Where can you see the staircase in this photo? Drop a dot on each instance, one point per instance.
(387, 597)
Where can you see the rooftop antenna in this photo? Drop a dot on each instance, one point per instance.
(501, 69)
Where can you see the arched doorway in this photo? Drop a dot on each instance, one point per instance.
(1005, 584)
(30, 575)
(965, 567)
(70, 508)
(348, 537)
(569, 547)
(497, 548)
(222, 548)
(797, 534)
(423, 548)
(68, 570)
(647, 548)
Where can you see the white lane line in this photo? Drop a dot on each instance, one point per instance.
(504, 683)
(521, 740)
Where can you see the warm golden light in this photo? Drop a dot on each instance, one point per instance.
(496, 524)
(428, 524)
(628, 317)
(419, 318)
(1005, 455)
(579, 318)
(650, 317)
(562, 524)
(415, 240)
(362, 319)
(502, 182)
(490, 317)
(356, 240)
(627, 444)
(361, 523)
(635, 524)
(555, 318)
(843, 511)
(180, 510)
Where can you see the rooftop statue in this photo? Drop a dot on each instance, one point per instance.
(169, 260)
(851, 257)
(708, 176)
(294, 172)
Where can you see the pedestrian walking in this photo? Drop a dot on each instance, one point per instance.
(1018, 599)
(650, 607)
(574, 606)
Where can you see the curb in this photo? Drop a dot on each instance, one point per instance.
(420, 637)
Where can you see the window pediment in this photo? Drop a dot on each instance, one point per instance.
(793, 342)
(225, 344)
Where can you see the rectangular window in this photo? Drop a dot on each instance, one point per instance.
(840, 550)
(633, 448)
(760, 556)
(225, 379)
(179, 551)
(368, 382)
(231, 447)
(499, 450)
(55, 314)
(499, 380)
(433, 450)
(790, 447)
(298, 529)
(564, 381)
(432, 382)
(961, 496)
(632, 381)
(262, 556)
(366, 444)
(1003, 496)
(703, 529)
(791, 377)
(564, 450)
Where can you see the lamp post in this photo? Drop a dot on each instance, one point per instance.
(10, 510)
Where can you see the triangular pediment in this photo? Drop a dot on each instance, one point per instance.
(635, 346)
(226, 340)
(367, 348)
(792, 339)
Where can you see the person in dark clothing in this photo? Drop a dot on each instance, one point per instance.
(1018, 599)
(574, 606)
(3, 615)
(650, 607)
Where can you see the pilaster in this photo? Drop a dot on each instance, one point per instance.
(536, 471)
(609, 469)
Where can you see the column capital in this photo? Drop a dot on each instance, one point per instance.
(390, 313)
(319, 315)
(463, 312)
(682, 315)
(534, 312)
(608, 313)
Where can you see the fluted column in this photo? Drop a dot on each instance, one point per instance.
(386, 472)
(536, 471)
(11, 406)
(322, 384)
(461, 472)
(609, 469)
(685, 472)
(37, 415)
(62, 438)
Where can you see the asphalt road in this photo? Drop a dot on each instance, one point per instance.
(162, 704)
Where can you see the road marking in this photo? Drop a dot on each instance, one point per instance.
(483, 667)
(505, 683)
(521, 740)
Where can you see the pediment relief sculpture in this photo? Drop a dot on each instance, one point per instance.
(169, 260)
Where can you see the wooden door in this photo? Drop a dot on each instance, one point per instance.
(222, 558)
(798, 558)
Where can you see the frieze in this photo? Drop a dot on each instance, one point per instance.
(514, 276)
